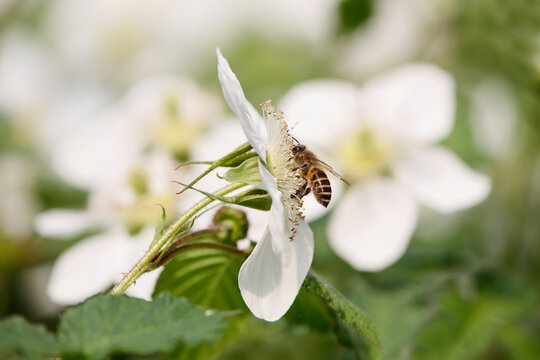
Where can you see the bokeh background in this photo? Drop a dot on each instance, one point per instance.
(468, 286)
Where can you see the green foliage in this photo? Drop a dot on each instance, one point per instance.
(207, 277)
(344, 310)
(353, 13)
(21, 340)
(107, 324)
(160, 227)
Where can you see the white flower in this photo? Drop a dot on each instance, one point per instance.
(161, 112)
(126, 205)
(94, 264)
(271, 277)
(382, 138)
(124, 40)
(125, 160)
(395, 32)
(34, 94)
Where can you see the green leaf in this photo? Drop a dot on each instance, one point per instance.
(311, 310)
(207, 277)
(160, 226)
(106, 324)
(21, 340)
(343, 309)
(247, 172)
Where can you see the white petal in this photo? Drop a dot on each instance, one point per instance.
(62, 223)
(252, 122)
(415, 103)
(276, 219)
(320, 111)
(373, 224)
(93, 155)
(269, 282)
(88, 268)
(441, 181)
(376, 45)
(144, 286)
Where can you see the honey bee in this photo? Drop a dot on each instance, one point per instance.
(315, 179)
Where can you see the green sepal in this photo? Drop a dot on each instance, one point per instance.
(231, 158)
(160, 227)
(256, 199)
(253, 198)
(247, 172)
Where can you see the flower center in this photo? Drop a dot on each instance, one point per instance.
(365, 153)
(280, 163)
(174, 133)
(137, 206)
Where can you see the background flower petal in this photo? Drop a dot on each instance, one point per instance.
(372, 226)
(252, 122)
(441, 181)
(63, 223)
(414, 102)
(88, 268)
(320, 111)
(269, 282)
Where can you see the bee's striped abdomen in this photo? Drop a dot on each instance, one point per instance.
(320, 185)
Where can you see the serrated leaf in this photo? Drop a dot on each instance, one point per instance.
(247, 172)
(22, 340)
(345, 311)
(311, 310)
(160, 227)
(207, 277)
(106, 324)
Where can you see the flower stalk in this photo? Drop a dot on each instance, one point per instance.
(143, 264)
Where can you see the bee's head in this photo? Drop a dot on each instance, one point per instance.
(298, 149)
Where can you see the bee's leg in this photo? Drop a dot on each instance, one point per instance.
(300, 167)
(301, 192)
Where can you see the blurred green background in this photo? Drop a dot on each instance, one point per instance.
(468, 285)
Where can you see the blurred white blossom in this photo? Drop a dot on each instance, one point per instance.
(125, 159)
(35, 95)
(94, 264)
(396, 32)
(125, 40)
(382, 137)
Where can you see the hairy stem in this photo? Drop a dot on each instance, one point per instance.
(141, 266)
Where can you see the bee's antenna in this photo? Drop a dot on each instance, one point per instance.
(298, 142)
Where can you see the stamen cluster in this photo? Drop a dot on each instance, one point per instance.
(281, 163)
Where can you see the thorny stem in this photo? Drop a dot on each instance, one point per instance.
(160, 258)
(141, 266)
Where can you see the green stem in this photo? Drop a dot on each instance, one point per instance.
(141, 265)
(241, 150)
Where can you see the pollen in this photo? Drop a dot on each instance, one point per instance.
(281, 165)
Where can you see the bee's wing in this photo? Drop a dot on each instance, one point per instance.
(327, 167)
